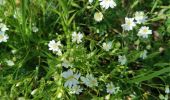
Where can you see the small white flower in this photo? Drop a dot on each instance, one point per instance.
(17, 14)
(107, 97)
(144, 32)
(97, 31)
(14, 51)
(3, 27)
(21, 98)
(140, 17)
(76, 89)
(18, 84)
(111, 89)
(133, 96)
(3, 37)
(34, 29)
(167, 89)
(107, 46)
(10, 63)
(122, 60)
(129, 24)
(166, 97)
(89, 80)
(107, 3)
(143, 55)
(59, 53)
(77, 37)
(55, 47)
(2, 32)
(59, 95)
(66, 63)
(90, 1)
(71, 79)
(34, 92)
(2, 2)
(98, 16)
(162, 97)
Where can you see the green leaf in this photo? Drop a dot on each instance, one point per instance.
(150, 76)
(71, 18)
(162, 64)
(63, 4)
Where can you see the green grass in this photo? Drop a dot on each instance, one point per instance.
(37, 68)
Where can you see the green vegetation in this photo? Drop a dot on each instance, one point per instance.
(84, 49)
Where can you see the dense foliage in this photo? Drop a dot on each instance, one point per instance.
(84, 49)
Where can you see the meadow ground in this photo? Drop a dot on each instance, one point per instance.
(84, 49)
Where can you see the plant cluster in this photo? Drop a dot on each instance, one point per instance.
(84, 49)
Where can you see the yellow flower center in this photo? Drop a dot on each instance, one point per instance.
(55, 46)
(145, 30)
(71, 77)
(77, 37)
(129, 23)
(1, 37)
(110, 87)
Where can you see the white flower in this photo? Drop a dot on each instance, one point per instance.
(122, 59)
(167, 89)
(89, 80)
(77, 37)
(111, 89)
(107, 3)
(10, 63)
(144, 32)
(107, 97)
(34, 29)
(3, 37)
(71, 79)
(18, 84)
(143, 55)
(13, 51)
(161, 97)
(59, 95)
(129, 24)
(34, 91)
(3, 27)
(107, 46)
(98, 16)
(17, 14)
(90, 1)
(76, 89)
(166, 97)
(133, 96)
(2, 32)
(140, 17)
(59, 53)
(55, 47)
(66, 63)
(2, 2)
(21, 98)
